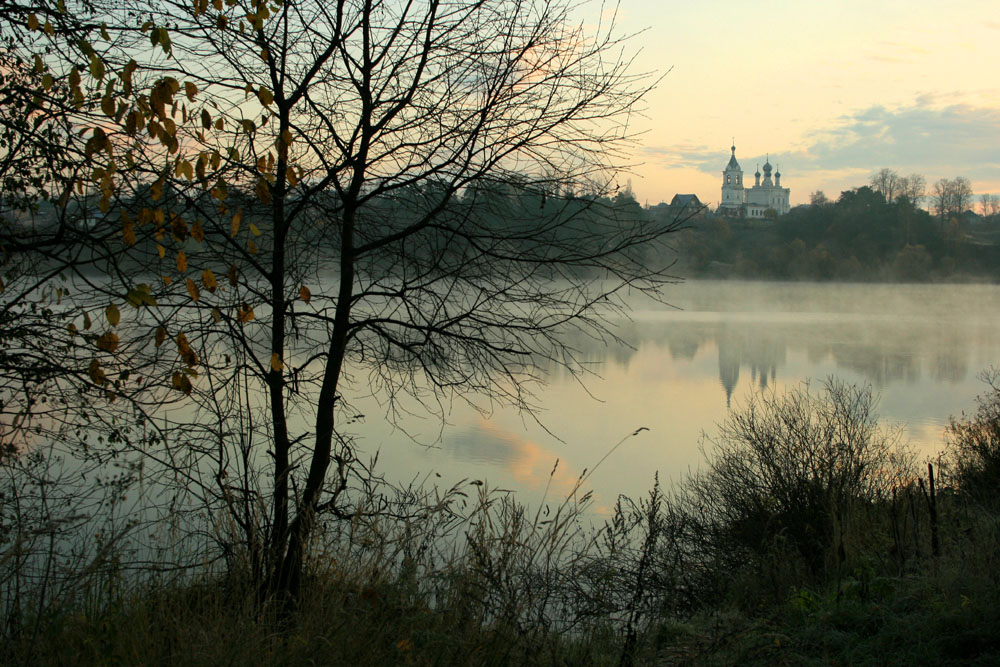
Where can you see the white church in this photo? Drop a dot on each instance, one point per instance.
(752, 202)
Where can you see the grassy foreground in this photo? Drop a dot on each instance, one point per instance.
(809, 537)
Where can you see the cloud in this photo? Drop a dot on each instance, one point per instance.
(896, 52)
(709, 159)
(925, 137)
(959, 138)
(528, 462)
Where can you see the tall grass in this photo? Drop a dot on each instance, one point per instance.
(805, 539)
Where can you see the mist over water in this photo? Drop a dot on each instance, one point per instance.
(920, 346)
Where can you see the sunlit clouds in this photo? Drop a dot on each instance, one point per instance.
(835, 91)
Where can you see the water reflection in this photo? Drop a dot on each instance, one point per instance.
(884, 334)
(920, 346)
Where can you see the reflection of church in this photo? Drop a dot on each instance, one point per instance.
(736, 350)
(755, 201)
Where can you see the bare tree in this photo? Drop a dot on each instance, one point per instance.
(952, 197)
(989, 204)
(913, 188)
(886, 182)
(818, 198)
(300, 198)
(962, 197)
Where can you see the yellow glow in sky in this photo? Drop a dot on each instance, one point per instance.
(832, 91)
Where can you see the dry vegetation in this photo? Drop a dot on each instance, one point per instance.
(807, 539)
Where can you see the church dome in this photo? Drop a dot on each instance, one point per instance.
(733, 164)
(767, 167)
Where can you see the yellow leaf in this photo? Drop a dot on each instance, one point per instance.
(221, 190)
(181, 382)
(190, 90)
(113, 315)
(140, 296)
(160, 249)
(33, 23)
(244, 314)
(233, 275)
(254, 230)
(182, 261)
(126, 77)
(192, 289)
(305, 294)
(160, 336)
(208, 280)
(167, 280)
(216, 315)
(96, 67)
(185, 351)
(108, 342)
(128, 232)
(95, 372)
(206, 119)
(252, 247)
(86, 321)
(197, 231)
(263, 191)
(47, 82)
(237, 218)
(276, 364)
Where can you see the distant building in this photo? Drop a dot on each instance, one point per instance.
(753, 202)
(684, 206)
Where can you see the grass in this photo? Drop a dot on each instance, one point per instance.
(471, 577)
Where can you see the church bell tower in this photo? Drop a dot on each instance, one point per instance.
(732, 186)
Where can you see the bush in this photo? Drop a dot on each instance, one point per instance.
(973, 447)
(786, 478)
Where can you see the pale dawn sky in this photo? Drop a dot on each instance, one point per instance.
(833, 91)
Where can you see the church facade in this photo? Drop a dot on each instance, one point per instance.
(739, 201)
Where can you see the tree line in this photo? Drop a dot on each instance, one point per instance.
(873, 232)
(948, 197)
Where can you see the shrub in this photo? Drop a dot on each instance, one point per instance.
(973, 447)
(784, 477)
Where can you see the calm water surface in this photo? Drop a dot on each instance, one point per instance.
(920, 346)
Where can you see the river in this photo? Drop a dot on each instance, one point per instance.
(921, 347)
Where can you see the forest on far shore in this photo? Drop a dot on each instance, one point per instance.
(859, 237)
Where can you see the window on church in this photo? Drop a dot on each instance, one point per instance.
(728, 177)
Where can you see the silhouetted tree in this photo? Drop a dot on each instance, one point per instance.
(296, 194)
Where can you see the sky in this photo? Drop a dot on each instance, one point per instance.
(830, 91)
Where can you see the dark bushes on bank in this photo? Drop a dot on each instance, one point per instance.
(810, 536)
